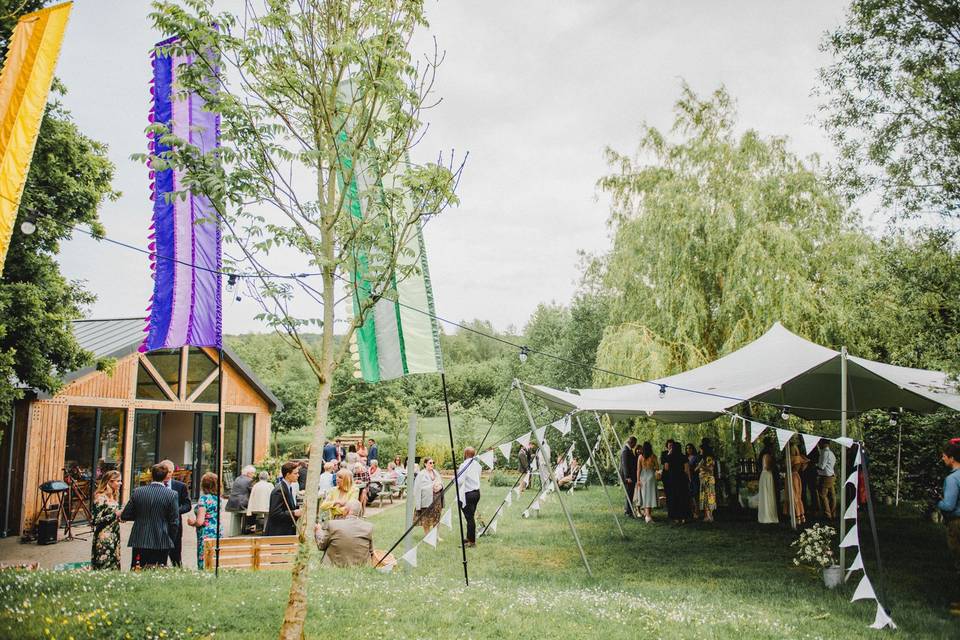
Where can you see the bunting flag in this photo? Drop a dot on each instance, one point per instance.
(851, 513)
(810, 442)
(845, 442)
(525, 514)
(509, 499)
(562, 425)
(540, 433)
(882, 620)
(410, 557)
(756, 430)
(536, 505)
(447, 519)
(505, 449)
(783, 437)
(852, 478)
(851, 539)
(516, 490)
(24, 86)
(524, 440)
(431, 538)
(492, 527)
(864, 590)
(857, 565)
(856, 460)
(487, 458)
(185, 253)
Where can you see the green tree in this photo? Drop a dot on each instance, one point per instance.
(717, 236)
(69, 178)
(890, 102)
(308, 92)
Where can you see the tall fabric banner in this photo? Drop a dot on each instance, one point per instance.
(398, 336)
(185, 254)
(24, 86)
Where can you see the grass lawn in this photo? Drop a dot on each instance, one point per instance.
(728, 580)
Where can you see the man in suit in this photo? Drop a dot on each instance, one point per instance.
(282, 518)
(153, 510)
(628, 471)
(240, 489)
(329, 452)
(348, 542)
(372, 450)
(183, 506)
(341, 450)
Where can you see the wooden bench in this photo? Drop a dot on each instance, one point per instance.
(251, 552)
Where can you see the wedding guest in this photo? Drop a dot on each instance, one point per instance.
(327, 479)
(798, 463)
(183, 506)
(648, 465)
(468, 475)
(949, 508)
(392, 472)
(708, 487)
(240, 489)
(329, 452)
(341, 452)
(260, 495)
(693, 459)
(362, 452)
(677, 484)
(347, 542)
(205, 517)
(284, 512)
(427, 497)
(809, 479)
(767, 508)
(826, 484)
(352, 456)
(361, 479)
(372, 450)
(628, 472)
(336, 501)
(106, 522)
(153, 510)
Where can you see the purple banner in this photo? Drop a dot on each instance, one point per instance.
(185, 258)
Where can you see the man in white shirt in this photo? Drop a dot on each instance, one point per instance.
(468, 478)
(825, 480)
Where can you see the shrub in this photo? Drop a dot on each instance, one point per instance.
(439, 452)
(502, 478)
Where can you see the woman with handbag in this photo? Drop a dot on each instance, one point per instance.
(205, 516)
(428, 497)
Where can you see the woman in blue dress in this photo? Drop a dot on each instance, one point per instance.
(206, 516)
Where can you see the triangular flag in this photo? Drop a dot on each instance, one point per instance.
(756, 429)
(410, 557)
(505, 449)
(853, 478)
(864, 590)
(810, 442)
(492, 526)
(509, 499)
(882, 620)
(851, 513)
(783, 437)
(852, 538)
(524, 440)
(431, 538)
(856, 566)
(516, 490)
(540, 433)
(846, 442)
(562, 425)
(568, 423)
(487, 458)
(536, 505)
(572, 487)
(856, 461)
(447, 519)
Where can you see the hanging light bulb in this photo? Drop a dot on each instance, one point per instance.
(785, 414)
(524, 354)
(893, 417)
(663, 390)
(29, 225)
(231, 282)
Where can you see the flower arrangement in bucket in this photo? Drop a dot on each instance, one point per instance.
(815, 550)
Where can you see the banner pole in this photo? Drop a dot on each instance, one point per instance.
(843, 453)
(216, 570)
(456, 479)
(411, 457)
(603, 484)
(553, 480)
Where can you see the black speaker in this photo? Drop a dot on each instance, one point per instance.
(47, 531)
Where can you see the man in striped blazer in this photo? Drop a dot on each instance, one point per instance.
(153, 510)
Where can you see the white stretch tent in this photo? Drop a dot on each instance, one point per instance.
(779, 367)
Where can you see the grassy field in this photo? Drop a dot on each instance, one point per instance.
(729, 580)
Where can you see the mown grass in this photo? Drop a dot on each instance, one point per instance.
(730, 580)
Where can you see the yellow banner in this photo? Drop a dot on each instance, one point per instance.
(24, 86)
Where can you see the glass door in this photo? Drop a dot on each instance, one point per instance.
(205, 432)
(146, 445)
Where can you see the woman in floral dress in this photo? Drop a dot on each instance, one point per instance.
(708, 486)
(205, 517)
(106, 522)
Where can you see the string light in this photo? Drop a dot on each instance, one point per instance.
(29, 225)
(785, 414)
(663, 390)
(524, 354)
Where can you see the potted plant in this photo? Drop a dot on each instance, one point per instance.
(815, 550)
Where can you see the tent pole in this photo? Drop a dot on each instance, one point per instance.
(843, 453)
(606, 491)
(899, 445)
(411, 461)
(553, 480)
(615, 462)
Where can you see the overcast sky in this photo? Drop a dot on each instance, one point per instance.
(532, 90)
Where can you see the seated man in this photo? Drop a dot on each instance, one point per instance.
(348, 542)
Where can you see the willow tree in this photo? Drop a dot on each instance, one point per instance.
(320, 103)
(716, 235)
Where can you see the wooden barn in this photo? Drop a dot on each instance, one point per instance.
(148, 407)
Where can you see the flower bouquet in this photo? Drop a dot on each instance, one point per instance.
(815, 550)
